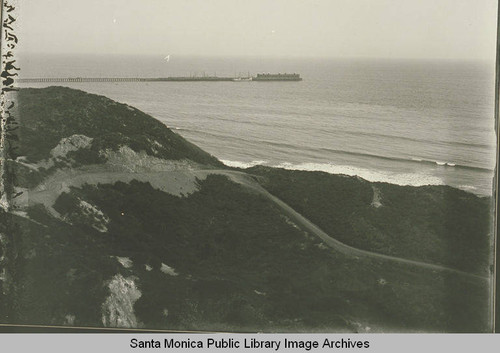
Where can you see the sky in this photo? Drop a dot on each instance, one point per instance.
(445, 29)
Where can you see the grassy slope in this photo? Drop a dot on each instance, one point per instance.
(52, 113)
(225, 243)
(434, 224)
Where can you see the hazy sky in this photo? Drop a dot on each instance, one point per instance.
(461, 29)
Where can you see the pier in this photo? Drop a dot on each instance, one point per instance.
(122, 79)
(259, 77)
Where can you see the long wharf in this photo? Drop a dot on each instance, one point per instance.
(259, 77)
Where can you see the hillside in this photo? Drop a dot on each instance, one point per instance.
(119, 222)
(50, 114)
(435, 224)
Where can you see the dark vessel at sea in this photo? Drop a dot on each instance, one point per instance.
(277, 77)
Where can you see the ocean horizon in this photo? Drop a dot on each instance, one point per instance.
(405, 122)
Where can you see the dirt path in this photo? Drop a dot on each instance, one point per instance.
(176, 182)
(180, 182)
(248, 181)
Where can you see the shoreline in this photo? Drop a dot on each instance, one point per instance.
(372, 176)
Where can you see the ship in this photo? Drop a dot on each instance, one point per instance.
(277, 77)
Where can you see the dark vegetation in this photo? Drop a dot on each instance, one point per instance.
(50, 114)
(436, 224)
(226, 243)
(242, 265)
(25, 177)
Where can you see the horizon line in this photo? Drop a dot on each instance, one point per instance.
(21, 53)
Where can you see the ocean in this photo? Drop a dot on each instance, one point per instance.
(406, 122)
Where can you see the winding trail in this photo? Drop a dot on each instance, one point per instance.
(249, 182)
(171, 181)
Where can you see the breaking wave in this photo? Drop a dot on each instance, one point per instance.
(412, 179)
(293, 148)
(243, 165)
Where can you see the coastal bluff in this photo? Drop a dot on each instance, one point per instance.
(117, 221)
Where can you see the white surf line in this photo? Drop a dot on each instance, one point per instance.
(246, 179)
